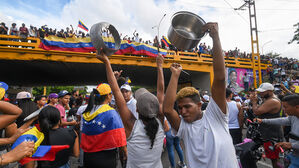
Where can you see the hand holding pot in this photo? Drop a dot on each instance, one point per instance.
(212, 29)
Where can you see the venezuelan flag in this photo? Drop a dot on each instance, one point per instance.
(102, 130)
(165, 40)
(67, 44)
(41, 152)
(84, 45)
(82, 26)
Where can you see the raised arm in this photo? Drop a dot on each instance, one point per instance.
(9, 112)
(218, 87)
(125, 114)
(168, 104)
(160, 86)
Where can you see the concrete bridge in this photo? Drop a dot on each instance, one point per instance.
(25, 64)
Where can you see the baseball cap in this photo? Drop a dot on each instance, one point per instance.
(238, 98)
(206, 97)
(126, 87)
(147, 103)
(3, 88)
(53, 95)
(103, 89)
(265, 87)
(24, 95)
(63, 93)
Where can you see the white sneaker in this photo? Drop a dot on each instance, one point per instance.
(182, 164)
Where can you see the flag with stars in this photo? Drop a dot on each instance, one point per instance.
(102, 130)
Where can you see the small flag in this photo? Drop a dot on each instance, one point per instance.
(41, 152)
(166, 40)
(82, 26)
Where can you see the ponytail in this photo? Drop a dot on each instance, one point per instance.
(48, 118)
(94, 99)
(151, 128)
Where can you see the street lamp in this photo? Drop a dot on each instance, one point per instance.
(158, 27)
(264, 45)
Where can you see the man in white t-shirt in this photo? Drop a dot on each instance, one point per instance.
(126, 91)
(205, 134)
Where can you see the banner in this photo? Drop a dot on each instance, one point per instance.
(235, 78)
(84, 45)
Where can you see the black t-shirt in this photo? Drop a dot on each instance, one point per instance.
(60, 136)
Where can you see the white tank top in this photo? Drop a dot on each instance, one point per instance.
(139, 153)
(233, 111)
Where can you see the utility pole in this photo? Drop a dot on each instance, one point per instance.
(254, 40)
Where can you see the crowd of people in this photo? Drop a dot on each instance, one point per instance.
(44, 31)
(115, 122)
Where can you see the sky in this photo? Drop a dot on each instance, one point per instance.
(275, 18)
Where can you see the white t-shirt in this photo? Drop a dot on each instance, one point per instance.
(207, 141)
(80, 111)
(131, 104)
(139, 153)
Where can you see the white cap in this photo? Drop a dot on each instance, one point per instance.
(126, 87)
(206, 97)
(24, 95)
(265, 87)
(238, 98)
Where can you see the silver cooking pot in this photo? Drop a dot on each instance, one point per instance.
(96, 32)
(185, 31)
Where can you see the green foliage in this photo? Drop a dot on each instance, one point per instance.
(296, 35)
(54, 89)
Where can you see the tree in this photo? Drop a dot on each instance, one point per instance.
(51, 89)
(296, 35)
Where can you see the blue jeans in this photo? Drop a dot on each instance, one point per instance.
(294, 161)
(170, 142)
(67, 165)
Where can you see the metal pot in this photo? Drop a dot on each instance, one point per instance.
(185, 31)
(97, 40)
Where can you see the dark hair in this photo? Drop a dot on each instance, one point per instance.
(94, 99)
(79, 101)
(39, 97)
(121, 81)
(151, 128)
(292, 99)
(48, 118)
(228, 92)
(27, 107)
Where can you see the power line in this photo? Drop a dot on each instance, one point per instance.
(236, 11)
(278, 29)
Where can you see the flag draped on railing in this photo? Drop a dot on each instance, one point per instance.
(84, 45)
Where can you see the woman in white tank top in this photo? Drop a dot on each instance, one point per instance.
(235, 118)
(145, 135)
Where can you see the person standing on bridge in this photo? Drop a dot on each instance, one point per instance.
(205, 134)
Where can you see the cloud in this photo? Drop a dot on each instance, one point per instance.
(275, 19)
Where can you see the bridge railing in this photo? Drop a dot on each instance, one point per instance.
(17, 42)
(33, 43)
